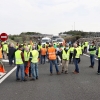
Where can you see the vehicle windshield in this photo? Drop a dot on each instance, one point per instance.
(55, 37)
(45, 40)
(59, 40)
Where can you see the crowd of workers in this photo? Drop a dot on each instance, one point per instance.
(28, 56)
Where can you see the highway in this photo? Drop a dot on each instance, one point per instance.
(82, 86)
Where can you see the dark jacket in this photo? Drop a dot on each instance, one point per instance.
(97, 54)
(74, 54)
(11, 53)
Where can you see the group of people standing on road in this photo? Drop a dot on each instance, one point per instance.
(28, 56)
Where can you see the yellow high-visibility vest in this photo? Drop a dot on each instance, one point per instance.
(18, 58)
(65, 56)
(35, 55)
(26, 55)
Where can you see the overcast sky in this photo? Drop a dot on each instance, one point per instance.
(49, 16)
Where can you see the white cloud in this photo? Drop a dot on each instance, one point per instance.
(48, 16)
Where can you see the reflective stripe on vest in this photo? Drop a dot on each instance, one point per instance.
(35, 55)
(18, 58)
(65, 55)
(99, 52)
(26, 56)
(78, 53)
(92, 52)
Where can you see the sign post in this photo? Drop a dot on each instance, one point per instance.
(3, 37)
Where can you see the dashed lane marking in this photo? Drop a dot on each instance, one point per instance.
(89, 56)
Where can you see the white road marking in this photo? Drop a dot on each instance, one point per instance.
(89, 56)
(2, 74)
(9, 73)
(5, 60)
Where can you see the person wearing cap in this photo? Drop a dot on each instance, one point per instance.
(34, 55)
(19, 61)
(52, 59)
(92, 51)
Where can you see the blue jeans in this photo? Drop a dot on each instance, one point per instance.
(92, 60)
(21, 68)
(43, 57)
(51, 65)
(10, 61)
(76, 60)
(34, 70)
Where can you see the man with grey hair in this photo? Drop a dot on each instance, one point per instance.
(26, 61)
(11, 54)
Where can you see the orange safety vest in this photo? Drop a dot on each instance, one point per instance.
(52, 53)
(0, 53)
(43, 51)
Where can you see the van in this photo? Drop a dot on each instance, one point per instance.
(45, 40)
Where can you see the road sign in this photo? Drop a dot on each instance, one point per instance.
(3, 36)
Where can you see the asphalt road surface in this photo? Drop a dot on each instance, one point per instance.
(83, 86)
